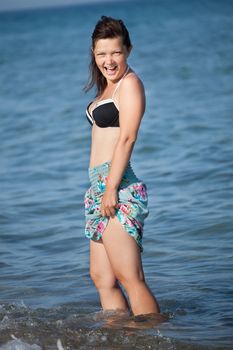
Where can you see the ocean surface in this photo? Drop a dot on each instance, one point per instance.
(183, 52)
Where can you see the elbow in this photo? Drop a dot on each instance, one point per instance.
(128, 139)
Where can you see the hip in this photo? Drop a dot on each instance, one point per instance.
(98, 176)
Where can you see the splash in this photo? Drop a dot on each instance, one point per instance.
(17, 344)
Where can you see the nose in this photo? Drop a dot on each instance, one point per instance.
(108, 59)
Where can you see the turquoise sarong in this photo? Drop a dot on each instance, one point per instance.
(131, 208)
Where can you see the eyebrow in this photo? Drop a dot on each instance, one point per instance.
(115, 50)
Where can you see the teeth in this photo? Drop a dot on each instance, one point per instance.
(111, 70)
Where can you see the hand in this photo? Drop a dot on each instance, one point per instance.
(109, 202)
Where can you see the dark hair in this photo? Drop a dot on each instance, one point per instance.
(106, 27)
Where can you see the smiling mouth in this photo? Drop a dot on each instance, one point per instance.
(110, 70)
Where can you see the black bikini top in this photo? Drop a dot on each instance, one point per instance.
(105, 113)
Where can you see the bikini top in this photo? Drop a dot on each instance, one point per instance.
(105, 113)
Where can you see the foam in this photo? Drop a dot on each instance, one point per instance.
(17, 344)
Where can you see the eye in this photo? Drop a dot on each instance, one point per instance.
(117, 53)
(100, 54)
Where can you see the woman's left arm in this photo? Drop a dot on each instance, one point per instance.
(131, 110)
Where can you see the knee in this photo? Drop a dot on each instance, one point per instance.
(102, 280)
(130, 280)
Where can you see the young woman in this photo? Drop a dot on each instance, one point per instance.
(116, 202)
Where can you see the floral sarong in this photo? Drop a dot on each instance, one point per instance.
(131, 208)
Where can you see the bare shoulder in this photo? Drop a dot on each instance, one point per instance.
(132, 96)
(132, 83)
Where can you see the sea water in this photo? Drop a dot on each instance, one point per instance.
(183, 51)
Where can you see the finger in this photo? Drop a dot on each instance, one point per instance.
(102, 210)
(112, 212)
(107, 212)
(103, 213)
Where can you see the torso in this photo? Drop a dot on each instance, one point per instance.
(103, 144)
(104, 135)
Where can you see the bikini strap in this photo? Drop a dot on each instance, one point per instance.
(119, 82)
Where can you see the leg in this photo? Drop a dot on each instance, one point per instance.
(111, 296)
(125, 258)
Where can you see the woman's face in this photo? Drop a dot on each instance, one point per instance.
(111, 58)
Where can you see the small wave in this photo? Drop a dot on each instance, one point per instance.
(17, 344)
(73, 326)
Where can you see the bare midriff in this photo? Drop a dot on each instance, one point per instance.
(103, 144)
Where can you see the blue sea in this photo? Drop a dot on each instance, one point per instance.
(183, 52)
